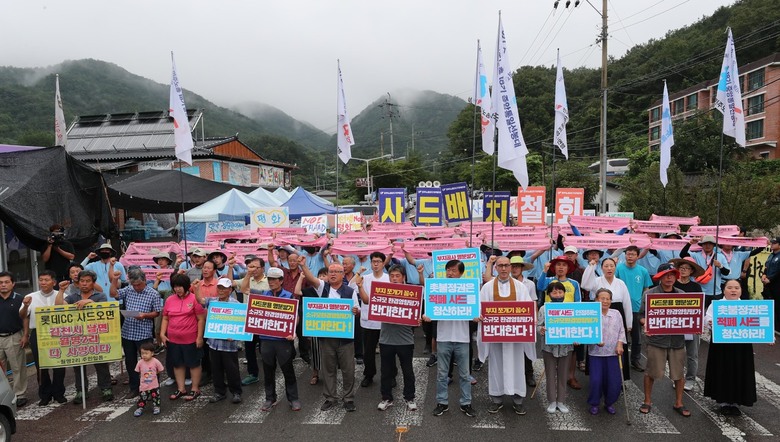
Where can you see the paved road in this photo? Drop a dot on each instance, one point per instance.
(200, 420)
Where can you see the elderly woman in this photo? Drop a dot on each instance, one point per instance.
(557, 358)
(184, 321)
(604, 365)
(731, 375)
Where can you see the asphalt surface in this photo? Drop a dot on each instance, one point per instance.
(200, 420)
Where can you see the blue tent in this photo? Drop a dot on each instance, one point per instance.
(301, 204)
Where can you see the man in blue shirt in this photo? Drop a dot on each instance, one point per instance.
(101, 267)
(637, 279)
(771, 277)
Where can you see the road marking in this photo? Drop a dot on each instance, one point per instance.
(768, 390)
(185, 410)
(735, 428)
(249, 410)
(572, 421)
(336, 414)
(399, 415)
(480, 401)
(653, 422)
(109, 411)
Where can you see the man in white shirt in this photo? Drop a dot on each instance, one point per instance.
(371, 329)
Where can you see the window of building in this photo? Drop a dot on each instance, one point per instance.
(754, 129)
(655, 133)
(764, 155)
(755, 104)
(755, 80)
(693, 102)
(655, 114)
(678, 106)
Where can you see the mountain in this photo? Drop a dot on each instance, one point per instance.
(279, 123)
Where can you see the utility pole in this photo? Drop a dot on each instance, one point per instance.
(381, 143)
(603, 170)
(390, 113)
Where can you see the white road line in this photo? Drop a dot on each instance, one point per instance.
(249, 410)
(768, 390)
(111, 410)
(653, 422)
(734, 428)
(480, 401)
(335, 415)
(184, 410)
(399, 415)
(572, 421)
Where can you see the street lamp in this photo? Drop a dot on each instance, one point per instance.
(368, 175)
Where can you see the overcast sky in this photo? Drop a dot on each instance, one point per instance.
(284, 52)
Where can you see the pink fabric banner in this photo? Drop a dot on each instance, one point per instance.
(761, 241)
(151, 274)
(656, 226)
(667, 244)
(523, 244)
(234, 234)
(601, 222)
(360, 251)
(209, 245)
(143, 248)
(710, 230)
(601, 242)
(269, 231)
(687, 221)
(137, 260)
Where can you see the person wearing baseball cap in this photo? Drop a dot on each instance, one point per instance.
(254, 281)
(197, 258)
(663, 348)
(708, 257)
(771, 277)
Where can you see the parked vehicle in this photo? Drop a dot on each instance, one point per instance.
(7, 408)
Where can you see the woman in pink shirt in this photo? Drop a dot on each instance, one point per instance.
(183, 323)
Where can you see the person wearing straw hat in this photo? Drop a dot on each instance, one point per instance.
(663, 348)
(519, 267)
(562, 267)
(102, 266)
(688, 270)
(707, 257)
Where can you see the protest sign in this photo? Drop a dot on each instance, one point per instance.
(69, 336)
(315, 224)
(469, 256)
(743, 322)
(395, 303)
(429, 206)
(450, 299)
(568, 202)
(271, 217)
(513, 321)
(328, 318)
(674, 313)
(531, 206)
(496, 207)
(226, 320)
(456, 202)
(270, 316)
(391, 205)
(570, 322)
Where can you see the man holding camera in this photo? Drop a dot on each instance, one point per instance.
(59, 252)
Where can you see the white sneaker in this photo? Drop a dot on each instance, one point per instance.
(188, 382)
(688, 385)
(551, 408)
(563, 407)
(411, 405)
(168, 382)
(384, 405)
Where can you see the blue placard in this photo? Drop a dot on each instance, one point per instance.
(450, 299)
(743, 322)
(570, 322)
(456, 204)
(225, 320)
(470, 258)
(429, 206)
(328, 318)
(392, 202)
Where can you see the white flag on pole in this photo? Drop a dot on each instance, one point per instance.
(667, 137)
(729, 97)
(60, 128)
(344, 137)
(561, 111)
(181, 124)
(511, 145)
(482, 99)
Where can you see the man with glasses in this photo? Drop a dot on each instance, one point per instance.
(371, 329)
(291, 276)
(637, 279)
(254, 281)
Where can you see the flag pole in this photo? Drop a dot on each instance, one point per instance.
(338, 92)
(183, 216)
(552, 200)
(717, 217)
(474, 156)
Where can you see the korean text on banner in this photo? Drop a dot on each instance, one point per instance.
(391, 205)
(429, 206)
(513, 321)
(349, 222)
(328, 318)
(568, 202)
(271, 217)
(226, 320)
(450, 299)
(456, 202)
(496, 207)
(315, 224)
(271, 317)
(68, 336)
(469, 257)
(531, 206)
(570, 322)
(743, 322)
(674, 314)
(395, 303)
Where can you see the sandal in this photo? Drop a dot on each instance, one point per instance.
(176, 395)
(682, 411)
(581, 365)
(191, 396)
(645, 408)
(113, 381)
(314, 380)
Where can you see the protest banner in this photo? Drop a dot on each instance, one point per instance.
(270, 316)
(743, 322)
(328, 318)
(496, 207)
(348, 222)
(391, 205)
(429, 206)
(226, 320)
(568, 202)
(469, 256)
(315, 224)
(674, 313)
(450, 299)
(456, 202)
(395, 303)
(570, 322)
(513, 321)
(69, 336)
(271, 217)
(530, 206)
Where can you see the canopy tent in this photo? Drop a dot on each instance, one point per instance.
(263, 195)
(301, 204)
(232, 205)
(317, 198)
(281, 194)
(44, 186)
(160, 191)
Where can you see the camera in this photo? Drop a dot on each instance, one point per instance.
(56, 236)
